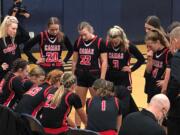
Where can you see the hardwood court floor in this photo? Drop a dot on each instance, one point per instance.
(137, 79)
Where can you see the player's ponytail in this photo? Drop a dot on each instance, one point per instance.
(103, 88)
(67, 80)
(54, 76)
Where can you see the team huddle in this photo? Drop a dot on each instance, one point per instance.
(101, 66)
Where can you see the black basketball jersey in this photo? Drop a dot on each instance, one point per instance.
(33, 99)
(89, 52)
(161, 60)
(11, 90)
(55, 118)
(50, 49)
(117, 58)
(102, 113)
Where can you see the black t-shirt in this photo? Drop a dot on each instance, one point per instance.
(175, 66)
(55, 117)
(102, 113)
(117, 58)
(141, 123)
(89, 52)
(33, 99)
(161, 61)
(50, 49)
(12, 90)
(9, 50)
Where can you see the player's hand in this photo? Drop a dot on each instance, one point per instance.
(27, 15)
(149, 54)
(15, 9)
(163, 85)
(5, 66)
(41, 60)
(126, 69)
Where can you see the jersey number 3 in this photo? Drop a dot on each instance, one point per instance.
(116, 64)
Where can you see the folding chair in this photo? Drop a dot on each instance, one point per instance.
(34, 124)
(74, 131)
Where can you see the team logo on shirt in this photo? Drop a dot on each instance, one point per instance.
(11, 48)
(157, 64)
(85, 55)
(116, 55)
(54, 48)
(89, 51)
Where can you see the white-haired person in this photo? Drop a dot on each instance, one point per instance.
(149, 120)
(173, 91)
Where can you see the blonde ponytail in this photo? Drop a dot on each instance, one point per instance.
(67, 80)
(58, 96)
(8, 20)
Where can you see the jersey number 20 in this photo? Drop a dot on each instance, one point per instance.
(52, 57)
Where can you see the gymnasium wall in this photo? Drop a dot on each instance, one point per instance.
(102, 14)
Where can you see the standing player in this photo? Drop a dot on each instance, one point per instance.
(120, 51)
(51, 44)
(158, 60)
(9, 44)
(89, 61)
(34, 98)
(58, 106)
(11, 87)
(103, 110)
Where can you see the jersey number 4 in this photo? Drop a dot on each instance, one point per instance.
(85, 60)
(155, 72)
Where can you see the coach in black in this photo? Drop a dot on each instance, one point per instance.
(174, 85)
(146, 121)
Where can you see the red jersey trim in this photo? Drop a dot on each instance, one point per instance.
(108, 132)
